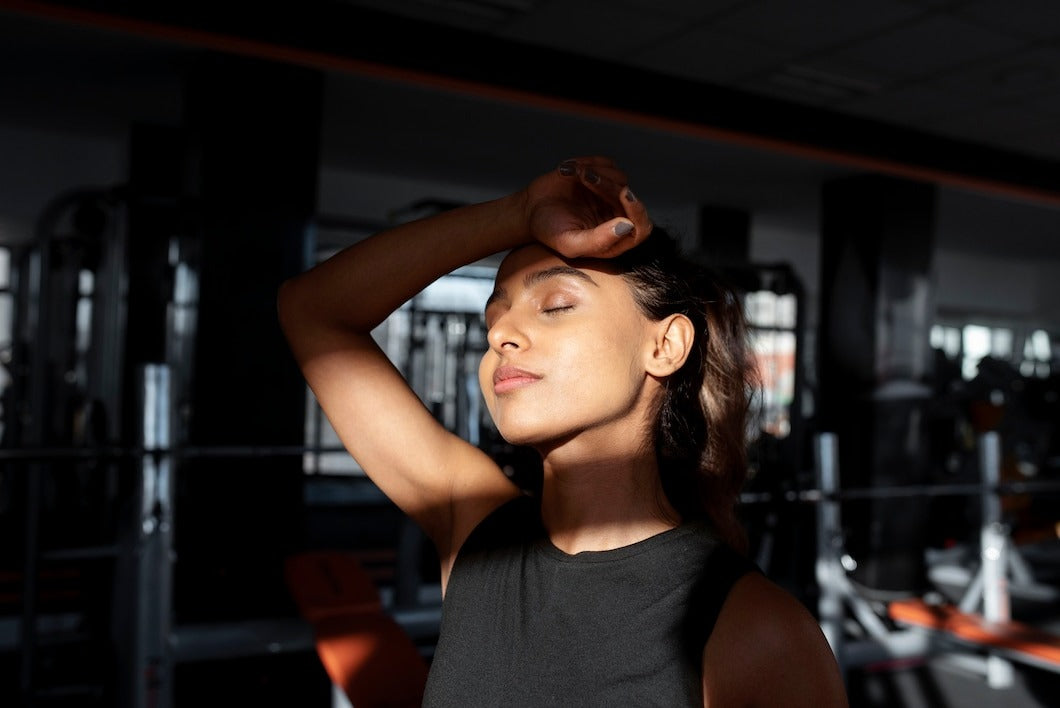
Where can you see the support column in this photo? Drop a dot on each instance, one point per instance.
(254, 128)
(874, 363)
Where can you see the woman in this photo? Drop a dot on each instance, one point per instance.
(621, 583)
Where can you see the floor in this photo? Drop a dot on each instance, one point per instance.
(947, 682)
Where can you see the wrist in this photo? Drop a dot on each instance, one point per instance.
(513, 219)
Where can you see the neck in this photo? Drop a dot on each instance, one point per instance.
(605, 504)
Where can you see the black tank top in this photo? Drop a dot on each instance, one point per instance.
(525, 624)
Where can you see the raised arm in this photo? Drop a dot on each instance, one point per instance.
(328, 313)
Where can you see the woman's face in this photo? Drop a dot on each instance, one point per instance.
(567, 348)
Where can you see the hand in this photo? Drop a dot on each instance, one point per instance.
(586, 209)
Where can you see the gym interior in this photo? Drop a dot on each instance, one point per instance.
(179, 525)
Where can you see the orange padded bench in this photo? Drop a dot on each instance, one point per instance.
(362, 648)
(1015, 639)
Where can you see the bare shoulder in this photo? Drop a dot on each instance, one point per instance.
(767, 649)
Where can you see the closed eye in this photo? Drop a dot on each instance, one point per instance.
(557, 310)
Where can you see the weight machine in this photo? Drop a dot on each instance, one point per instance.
(978, 632)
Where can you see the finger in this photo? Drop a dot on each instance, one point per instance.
(601, 176)
(637, 213)
(614, 237)
(604, 180)
(594, 160)
(610, 186)
(591, 165)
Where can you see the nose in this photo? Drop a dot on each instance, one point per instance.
(506, 334)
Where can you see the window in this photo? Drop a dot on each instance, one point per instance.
(948, 340)
(771, 317)
(1028, 350)
(1037, 354)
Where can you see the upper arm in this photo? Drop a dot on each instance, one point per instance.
(768, 650)
(444, 483)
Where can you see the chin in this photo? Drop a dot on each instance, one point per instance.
(522, 432)
(516, 436)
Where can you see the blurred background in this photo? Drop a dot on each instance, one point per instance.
(880, 180)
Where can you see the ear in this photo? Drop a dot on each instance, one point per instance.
(673, 339)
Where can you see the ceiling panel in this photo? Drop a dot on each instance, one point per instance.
(1034, 19)
(918, 104)
(986, 72)
(594, 27)
(705, 55)
(1032, 71)
(813, 25)
(820, 82)
(997, 123)
(932, 45)
(686, 9)
(927, 65)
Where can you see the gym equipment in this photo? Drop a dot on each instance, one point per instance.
(364, 650)
(913, 627)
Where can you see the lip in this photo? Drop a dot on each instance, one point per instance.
(509, 378)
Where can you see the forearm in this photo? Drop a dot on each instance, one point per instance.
(359, 287)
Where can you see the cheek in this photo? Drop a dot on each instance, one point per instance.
(624, 344)
(485, 381)
(602, 367)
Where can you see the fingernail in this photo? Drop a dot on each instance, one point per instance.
(623, 228)
(630, 196)
(566, 168)
(591, 177)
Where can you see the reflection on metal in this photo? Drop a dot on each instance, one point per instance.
(203, 642)
(829, 544)
(924, 626)
(990, 476)
(993, 559)
(996, 608)
(152, 656)
(66, 363)
(444, 349)
(837, 594)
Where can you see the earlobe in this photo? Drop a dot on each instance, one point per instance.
(673, 341)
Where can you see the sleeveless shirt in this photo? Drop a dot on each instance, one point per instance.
(525, 624)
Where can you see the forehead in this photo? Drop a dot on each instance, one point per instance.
(525, 260)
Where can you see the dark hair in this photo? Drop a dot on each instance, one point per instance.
(700, 427)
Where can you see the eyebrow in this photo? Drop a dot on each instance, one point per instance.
(538, 276)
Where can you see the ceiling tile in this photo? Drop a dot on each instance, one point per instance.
(798, 84)
(838, 72)
(994, 123)
(810, 25)
(1041, 142)
(685, 9)
(925, 48)
(944, 4)
(1038, 19)
(592, 27)
(707, 56)
(1047, 103)
(1029, 72)
(911, 104)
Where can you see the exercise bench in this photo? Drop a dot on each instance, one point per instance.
(363, 649)
(1011, 639)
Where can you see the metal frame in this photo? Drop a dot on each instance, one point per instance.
(989, 591)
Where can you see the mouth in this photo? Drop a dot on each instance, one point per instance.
(509, 378)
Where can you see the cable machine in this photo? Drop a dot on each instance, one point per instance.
(66, 367)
